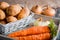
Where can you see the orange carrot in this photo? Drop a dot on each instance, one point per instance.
(30, 31)
(44, 36)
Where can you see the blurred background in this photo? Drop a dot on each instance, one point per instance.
(30, 3)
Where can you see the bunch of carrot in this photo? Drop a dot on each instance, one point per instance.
(33, 33)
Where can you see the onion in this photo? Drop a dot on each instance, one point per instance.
(49, 11)
(37, 9)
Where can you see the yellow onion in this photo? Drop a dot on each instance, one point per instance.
(49, 11)
(37, 9)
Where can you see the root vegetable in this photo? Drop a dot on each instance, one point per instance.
(13, 10)
(23, 13)
(11, 19)
(4, 5)
(44, 36)
(2, 15)
(31, 31)
(3, 22)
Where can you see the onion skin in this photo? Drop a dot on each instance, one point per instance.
(37, 9)
(49, 11)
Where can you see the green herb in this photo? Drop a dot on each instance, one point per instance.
(53, 28)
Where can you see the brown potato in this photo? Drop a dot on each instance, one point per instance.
(37, 9)
(4, 5)
(11, 19)
(13, 10)
(3, 22)
(2, 15)
(24, 13)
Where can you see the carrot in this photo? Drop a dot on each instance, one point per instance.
(44, 36)
(30, 31)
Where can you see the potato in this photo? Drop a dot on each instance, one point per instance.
(37, 9)
(13, 10)
(2, 15)
(3, 22)
(11, 19)
(4, 5)
(24, 13)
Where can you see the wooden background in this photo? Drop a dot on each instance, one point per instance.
(30, 3)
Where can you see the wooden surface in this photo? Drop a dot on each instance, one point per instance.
(30, 3)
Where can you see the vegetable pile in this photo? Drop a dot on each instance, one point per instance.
(51, 25)
(41, 30)
(46, 31)
(11, 13)
(48, 11)
(33, 33)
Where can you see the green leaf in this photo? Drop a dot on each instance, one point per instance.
(53, 28)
